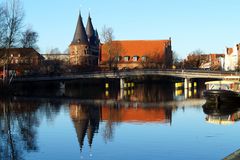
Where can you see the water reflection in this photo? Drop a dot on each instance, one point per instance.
(225, 113)
(86, 118)
(18, 125)
(22, 116)
(147, 92)
(86, 121)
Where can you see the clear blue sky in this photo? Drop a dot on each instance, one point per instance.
(209, 25)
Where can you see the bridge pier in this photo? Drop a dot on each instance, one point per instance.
(62, 85)
(187, 88)
(186, 83)
(62, 88)
(122, 83)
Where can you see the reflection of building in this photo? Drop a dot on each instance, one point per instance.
(86, 121)
(84, 48)
(139, 53)
(143, 93)
(86, 118)
(140, 114)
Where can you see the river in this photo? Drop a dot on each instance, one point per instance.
(158, 120)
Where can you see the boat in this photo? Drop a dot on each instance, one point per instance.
(226, 90)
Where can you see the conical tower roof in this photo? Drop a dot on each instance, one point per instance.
(97, 37)
(81, 129)
(80, 36)
(89, 28)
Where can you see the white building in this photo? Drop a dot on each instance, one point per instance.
(232, 58)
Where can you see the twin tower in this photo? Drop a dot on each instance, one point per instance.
(84, 48)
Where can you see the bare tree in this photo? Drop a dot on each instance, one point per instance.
(195, 59)
(2, 26)
(29, 39)
(175, 57)
(13, 14)
(113, 48)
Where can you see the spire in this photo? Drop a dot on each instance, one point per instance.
(97, 37)
(96, 33)
(89, 28)
(80, 35)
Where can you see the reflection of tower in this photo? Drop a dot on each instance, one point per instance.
(94, 118)
(86, 121)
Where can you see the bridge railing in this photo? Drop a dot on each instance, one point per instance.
(135, 72)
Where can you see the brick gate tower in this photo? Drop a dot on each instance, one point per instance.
(84, 48)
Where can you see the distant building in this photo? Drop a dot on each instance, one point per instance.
(232, 58)
(57, 57)
(19, 61)
(214, 61)
(139, 54)
(84, 48)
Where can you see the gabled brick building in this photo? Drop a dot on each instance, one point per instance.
(19, 61)
(140, 54)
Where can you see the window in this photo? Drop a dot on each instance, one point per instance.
(126, 58)
(135, 58)
(11, 55)
(118, 58)
(16, 61)
(144, 58)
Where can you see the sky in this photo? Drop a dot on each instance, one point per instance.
(209, 25)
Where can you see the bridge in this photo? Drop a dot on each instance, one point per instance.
(184, 74)
(187, 75)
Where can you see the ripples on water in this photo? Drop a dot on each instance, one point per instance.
(149, 121)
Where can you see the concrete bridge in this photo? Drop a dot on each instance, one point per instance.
(185, 74)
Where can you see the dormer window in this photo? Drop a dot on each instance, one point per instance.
(144, 58)
(118, 58)
(126, 58)
(135, 58)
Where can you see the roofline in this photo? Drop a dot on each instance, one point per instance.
(145, 40)
(55, 54)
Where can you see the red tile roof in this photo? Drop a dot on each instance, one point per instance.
(138, 48)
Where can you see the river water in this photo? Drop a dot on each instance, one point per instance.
(148, 121)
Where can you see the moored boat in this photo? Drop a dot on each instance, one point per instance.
(227, 90)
